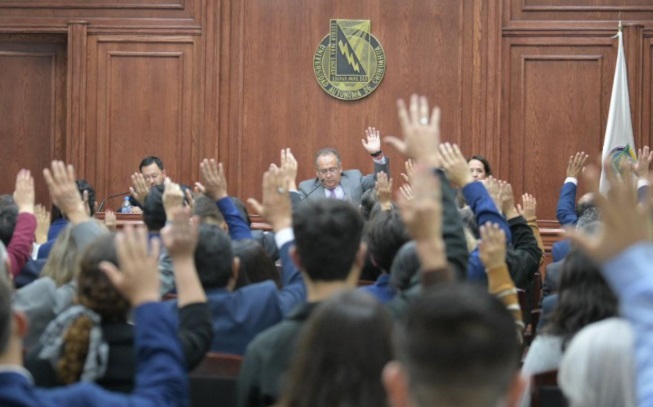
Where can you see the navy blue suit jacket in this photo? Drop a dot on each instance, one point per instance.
(161, 379)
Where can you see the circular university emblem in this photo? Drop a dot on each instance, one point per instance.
(349, 63)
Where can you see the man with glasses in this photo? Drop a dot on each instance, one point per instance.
(151, 174)
(333, 183)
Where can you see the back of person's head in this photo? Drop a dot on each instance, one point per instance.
(456, 347)
(154, 214)
(95, 292)
(585, 204)
(149, 160)
(385, 233)
(63, 260)
(584, 297)
(404, 266)
(368, 200)
(589, 220)
(214, 257)
(255, 263)
(8, 218)
(327, 237)
(208, 211)
(598, 367)
(341, 354)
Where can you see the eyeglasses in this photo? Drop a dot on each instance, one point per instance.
(151, 177)
(325, 171)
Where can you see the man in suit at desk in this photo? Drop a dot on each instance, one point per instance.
(332, 182)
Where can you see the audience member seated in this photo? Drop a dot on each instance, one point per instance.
(584, 297)
(18, 223)
(94, 341)
(405, 267)
(329, 251)
(598, 368)
(456, 347)
(255, 264)
(54, 291)
(340, 355)
(332, 182)
(59, 219)
(385, 234)
(160, 378)
(240, 314)
(479, 167)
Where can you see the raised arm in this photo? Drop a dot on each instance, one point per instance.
(566, 210)
(372, 144)
(20, 245)
(215, 184)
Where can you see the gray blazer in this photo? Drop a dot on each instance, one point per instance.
(353, 182)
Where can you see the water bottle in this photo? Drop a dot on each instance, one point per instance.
(126, 206)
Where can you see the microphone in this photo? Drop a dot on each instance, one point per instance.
(109, 198)
(313, 190)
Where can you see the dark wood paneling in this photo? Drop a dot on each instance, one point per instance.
(647, 89)
(32, 102)
(142, 98)
(275, 101)
(556, 99)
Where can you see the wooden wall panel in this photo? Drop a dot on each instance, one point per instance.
(142, 100)
(647, 89)
(556, 99)
(32, 102)
(275, 100)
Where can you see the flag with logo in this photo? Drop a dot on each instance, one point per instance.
(618, 144)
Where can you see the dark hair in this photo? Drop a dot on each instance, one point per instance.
(484, 161)
(154, 214)
(328, 151)
(94, 291)
(404, 266)
(8, 218)
(458, 345)
(584, 297)
(368, 200)
(82, 185)
(587, 213)
(341, 355)
(213, 257)
(255, 263)
(149, 160)
(5, 309)
(327, 237)
(385, 233)
(207, 210)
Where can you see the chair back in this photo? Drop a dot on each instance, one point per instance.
(545, 391)
(214, 381)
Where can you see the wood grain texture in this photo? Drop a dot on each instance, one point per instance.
(32, 96)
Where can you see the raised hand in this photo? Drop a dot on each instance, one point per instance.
(24, 192)
(408, 165)
(507, 200)
(576, 164)
(528, 207)
(644, 158)
(190, 198)
(110, 220)
(383, 190)
(215, 182)
(492, 186)
(421, 130)
(180, 234)
(289, 168)
(492, 247)
(275, 207)
(138, 276)
(42, 224)
(406, 192)
(454, 163)
(139, 188)
(625, 222)
(172, 198)
(372, 140)
(60, 179)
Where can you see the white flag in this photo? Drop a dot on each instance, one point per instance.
(618, 143)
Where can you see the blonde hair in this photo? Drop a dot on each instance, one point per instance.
(62, 262)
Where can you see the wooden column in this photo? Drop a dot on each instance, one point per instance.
(76, 97)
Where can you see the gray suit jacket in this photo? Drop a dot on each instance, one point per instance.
(353, 182)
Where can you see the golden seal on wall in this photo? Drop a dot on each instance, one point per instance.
(349, 63)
